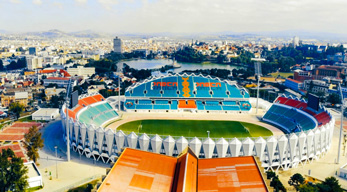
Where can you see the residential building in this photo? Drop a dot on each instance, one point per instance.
(293, 84)
(11, 97)
(32, 51)
(316, 86)
(117, 45)
(81, 71)
(34, 62)
(59, 81)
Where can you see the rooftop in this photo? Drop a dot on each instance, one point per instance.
(137, 170)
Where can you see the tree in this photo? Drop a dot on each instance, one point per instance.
(1, 65)
(13, 172)
(307, 188)
(33, 142)
(277, 184)
(16, 108)
(296, 180)
(330, 184)
(334, 98)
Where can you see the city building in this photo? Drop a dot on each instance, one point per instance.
(316, 86)
(329, 71)
(81, 71)
(296, 41)
(59, 81)
(293, 84)
(11, 97)
(300, 75)
(117, 45)
(53, 91)
(32, 51)
(34, 62)
(46, 114)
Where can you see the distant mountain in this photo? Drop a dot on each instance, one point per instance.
(55, 33)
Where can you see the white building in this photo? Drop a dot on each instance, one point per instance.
(46, 114)
(34, 62)
(34, 175)
(296, 41)
(81, 71)
(117, 45)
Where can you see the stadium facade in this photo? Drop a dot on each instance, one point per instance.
(309, 132)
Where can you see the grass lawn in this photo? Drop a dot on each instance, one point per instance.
(285, 75)
(198, 128)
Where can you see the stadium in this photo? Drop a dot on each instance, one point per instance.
(213, 117)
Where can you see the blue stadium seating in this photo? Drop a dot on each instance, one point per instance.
(202, 92)
(139, 91)
(145, 102)
(234, 91)
(289, 118)
(213, 107)
(153, 91)
(174, 104)
(161, 102)
(97, 114)
(230, 108)
(229, 102)
(170, 91)
(167, 107)
(219, 92)
(139, 106)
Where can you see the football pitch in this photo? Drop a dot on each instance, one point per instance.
(195, 128)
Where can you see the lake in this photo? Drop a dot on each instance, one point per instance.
(158, 63)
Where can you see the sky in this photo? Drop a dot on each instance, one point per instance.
(176, 16)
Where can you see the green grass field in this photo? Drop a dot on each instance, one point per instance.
(283, 74)
(198, 128)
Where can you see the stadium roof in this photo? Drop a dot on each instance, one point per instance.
(137, 170)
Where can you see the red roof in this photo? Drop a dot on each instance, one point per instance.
(59, 78)
(48, 71)
(295, 81)
(66, 74)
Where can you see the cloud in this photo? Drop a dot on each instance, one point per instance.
(37, 2)
(58, 4)
(81, 1)
(16, 1)
(108, 4)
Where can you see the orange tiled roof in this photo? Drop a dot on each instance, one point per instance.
(137, 170)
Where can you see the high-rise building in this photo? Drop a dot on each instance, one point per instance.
(34, 62)
(117, 45)
(296, 41)
(32, 50)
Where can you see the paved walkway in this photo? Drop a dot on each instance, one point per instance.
(79, 169)
(250, 118)
(324, 166)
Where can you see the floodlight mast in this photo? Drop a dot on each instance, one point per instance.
(67, 121)
(341, 126)
(257, 67)
(120, 67)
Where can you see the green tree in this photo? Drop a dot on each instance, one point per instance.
(330, 184)
(33, 142)
(270, 174)
(333, 98)
(1, 65)
(16, 108)
(13, 173)
(296, 180)
(277, 185)
(307, 188)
